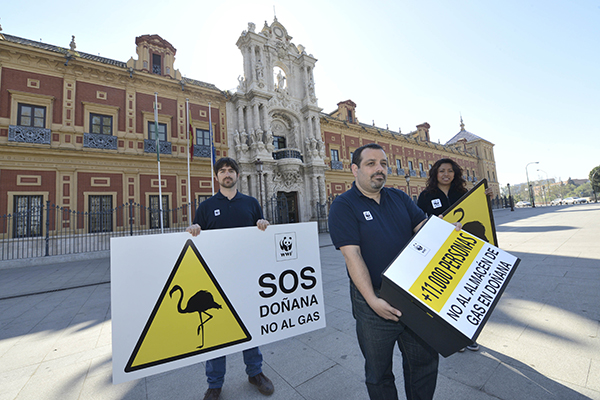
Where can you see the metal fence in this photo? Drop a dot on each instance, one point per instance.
(51, 230)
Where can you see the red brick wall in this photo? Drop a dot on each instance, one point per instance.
(17, 80)
(87, 92)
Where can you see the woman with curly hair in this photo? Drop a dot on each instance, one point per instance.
(445, 186)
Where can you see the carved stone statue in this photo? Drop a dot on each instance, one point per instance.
(242, 83)
(251, 27)
(280, 80)
(259, 70)
(269, 137)
(236, 138)
(259, 135)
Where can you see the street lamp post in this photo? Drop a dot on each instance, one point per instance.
(510, 199)
(407, 177)
(531, 195)
(547, 184)
(259, 170)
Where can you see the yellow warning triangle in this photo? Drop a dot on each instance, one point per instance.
(192, 316)
(474, 212)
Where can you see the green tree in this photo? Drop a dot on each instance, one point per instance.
(584, 190)
(595, 179)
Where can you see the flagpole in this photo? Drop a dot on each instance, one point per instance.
(189, 185)
(212, 151)
(158, 160)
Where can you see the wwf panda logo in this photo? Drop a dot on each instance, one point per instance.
(285, 244)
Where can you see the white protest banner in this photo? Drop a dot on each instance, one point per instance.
(446, 283)
(178, 300)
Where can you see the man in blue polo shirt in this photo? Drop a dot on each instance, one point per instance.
(231, 209)
(371, 224)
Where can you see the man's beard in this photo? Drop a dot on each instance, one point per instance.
(228, 183)
(378, 184)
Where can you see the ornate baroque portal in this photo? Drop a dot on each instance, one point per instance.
(273, 118)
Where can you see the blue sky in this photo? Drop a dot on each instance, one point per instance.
(523, 74)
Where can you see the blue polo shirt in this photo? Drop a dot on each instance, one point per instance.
(380, 229)
(218, 212)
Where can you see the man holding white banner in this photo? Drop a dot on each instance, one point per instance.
(231, 209)
(371, 224)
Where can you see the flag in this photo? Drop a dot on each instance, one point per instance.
(191, 143)
(156, 136)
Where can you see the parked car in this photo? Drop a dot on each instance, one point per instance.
(574, 200)
(556, 202)
(522, 204)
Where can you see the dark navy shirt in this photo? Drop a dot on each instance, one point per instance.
(380, 229)
(218, 212)
(436, 202)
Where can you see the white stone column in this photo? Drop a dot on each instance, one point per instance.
(240, 121)
(256, 119)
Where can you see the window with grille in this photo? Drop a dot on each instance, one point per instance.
(100, 214)
(27, 216)
(155, 212)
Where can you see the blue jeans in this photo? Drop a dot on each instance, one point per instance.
(377, 338)
(215, 368)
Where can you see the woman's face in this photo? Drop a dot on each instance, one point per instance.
(445, 174)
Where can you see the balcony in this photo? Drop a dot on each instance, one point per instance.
(287, 153)
(339, 165)
(401, 172)
(201, 151)
(99, 141)
(423, 174)
(150, 146)
(413, 172)
(28, 134)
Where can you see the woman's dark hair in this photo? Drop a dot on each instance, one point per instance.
(227, 162)
(458, 183)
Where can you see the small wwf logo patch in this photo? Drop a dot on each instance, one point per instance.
(420, 248)
(217, 213)
(436, 203)
(367, 215)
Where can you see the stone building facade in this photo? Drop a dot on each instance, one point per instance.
(409, 155)
(77, 130)
(273, 123)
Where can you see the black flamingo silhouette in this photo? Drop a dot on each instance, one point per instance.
(199, 302)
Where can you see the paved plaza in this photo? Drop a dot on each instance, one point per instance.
(540, 343)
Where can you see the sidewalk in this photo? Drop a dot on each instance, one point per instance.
(540, 343)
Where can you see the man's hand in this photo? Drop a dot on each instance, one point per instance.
(262, 224)
(384, 309)
(457, 225)
(194, 230)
